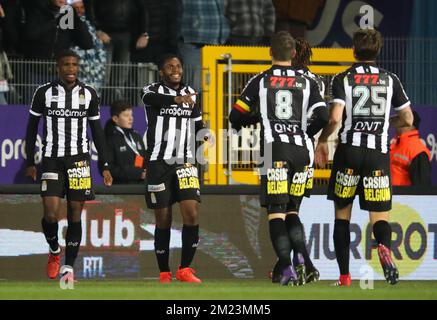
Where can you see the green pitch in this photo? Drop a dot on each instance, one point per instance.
(214, 290)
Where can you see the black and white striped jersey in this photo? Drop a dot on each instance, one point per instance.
(316, 78)
(367, 92)
(171, 128)
(284, 98)
(65, 114)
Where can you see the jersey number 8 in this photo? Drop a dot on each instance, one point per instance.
(283, 108)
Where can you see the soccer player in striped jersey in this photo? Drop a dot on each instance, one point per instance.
(301, 61)
(67, 106)
(174, 118)
(361, 100)
(281, 98)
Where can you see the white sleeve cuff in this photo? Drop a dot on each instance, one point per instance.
(313, 107)
(94, 118)
(36, 114)
(340, 101)
(406, 104)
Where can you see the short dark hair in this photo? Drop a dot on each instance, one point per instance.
(282, 45)
(367, 44)
(118, 106)
(303, 54)
(168, 56)
(66, 53)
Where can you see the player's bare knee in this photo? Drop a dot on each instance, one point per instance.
(74, 216)
(50, 216)
(292, 213)
(74, 211)
(276, 211)
(190, 217)
(163, 218)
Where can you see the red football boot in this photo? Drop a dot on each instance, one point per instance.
(344, 281)
(187, 275)
(165, 277)
(53, 265)
(391, 272)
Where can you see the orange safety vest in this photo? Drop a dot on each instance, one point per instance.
(402, 151)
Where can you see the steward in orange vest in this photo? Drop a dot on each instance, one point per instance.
(409, 157)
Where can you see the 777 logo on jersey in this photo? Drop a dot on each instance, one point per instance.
(284, 82)
(369, 79)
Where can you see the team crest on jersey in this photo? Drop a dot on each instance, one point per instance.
(81, 99)
(54, 98)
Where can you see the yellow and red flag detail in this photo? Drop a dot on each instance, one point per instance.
(242, 106)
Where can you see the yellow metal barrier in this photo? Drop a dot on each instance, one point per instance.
(243, 63)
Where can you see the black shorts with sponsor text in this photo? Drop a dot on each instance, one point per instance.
(310, 179)
(167, 184)
(284, 180)
(361, 171)
(67, 176)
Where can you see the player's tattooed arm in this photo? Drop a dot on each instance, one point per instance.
(321, 156)
(335, 116)
(404, 118)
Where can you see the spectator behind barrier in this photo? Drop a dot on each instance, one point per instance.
(46, 38)
(252, 22)
(164, 30)
(203, 22)
(126, 150)
(116, 21)
(13, 26)
(410, 159)
(93, 61)
(295, 16)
